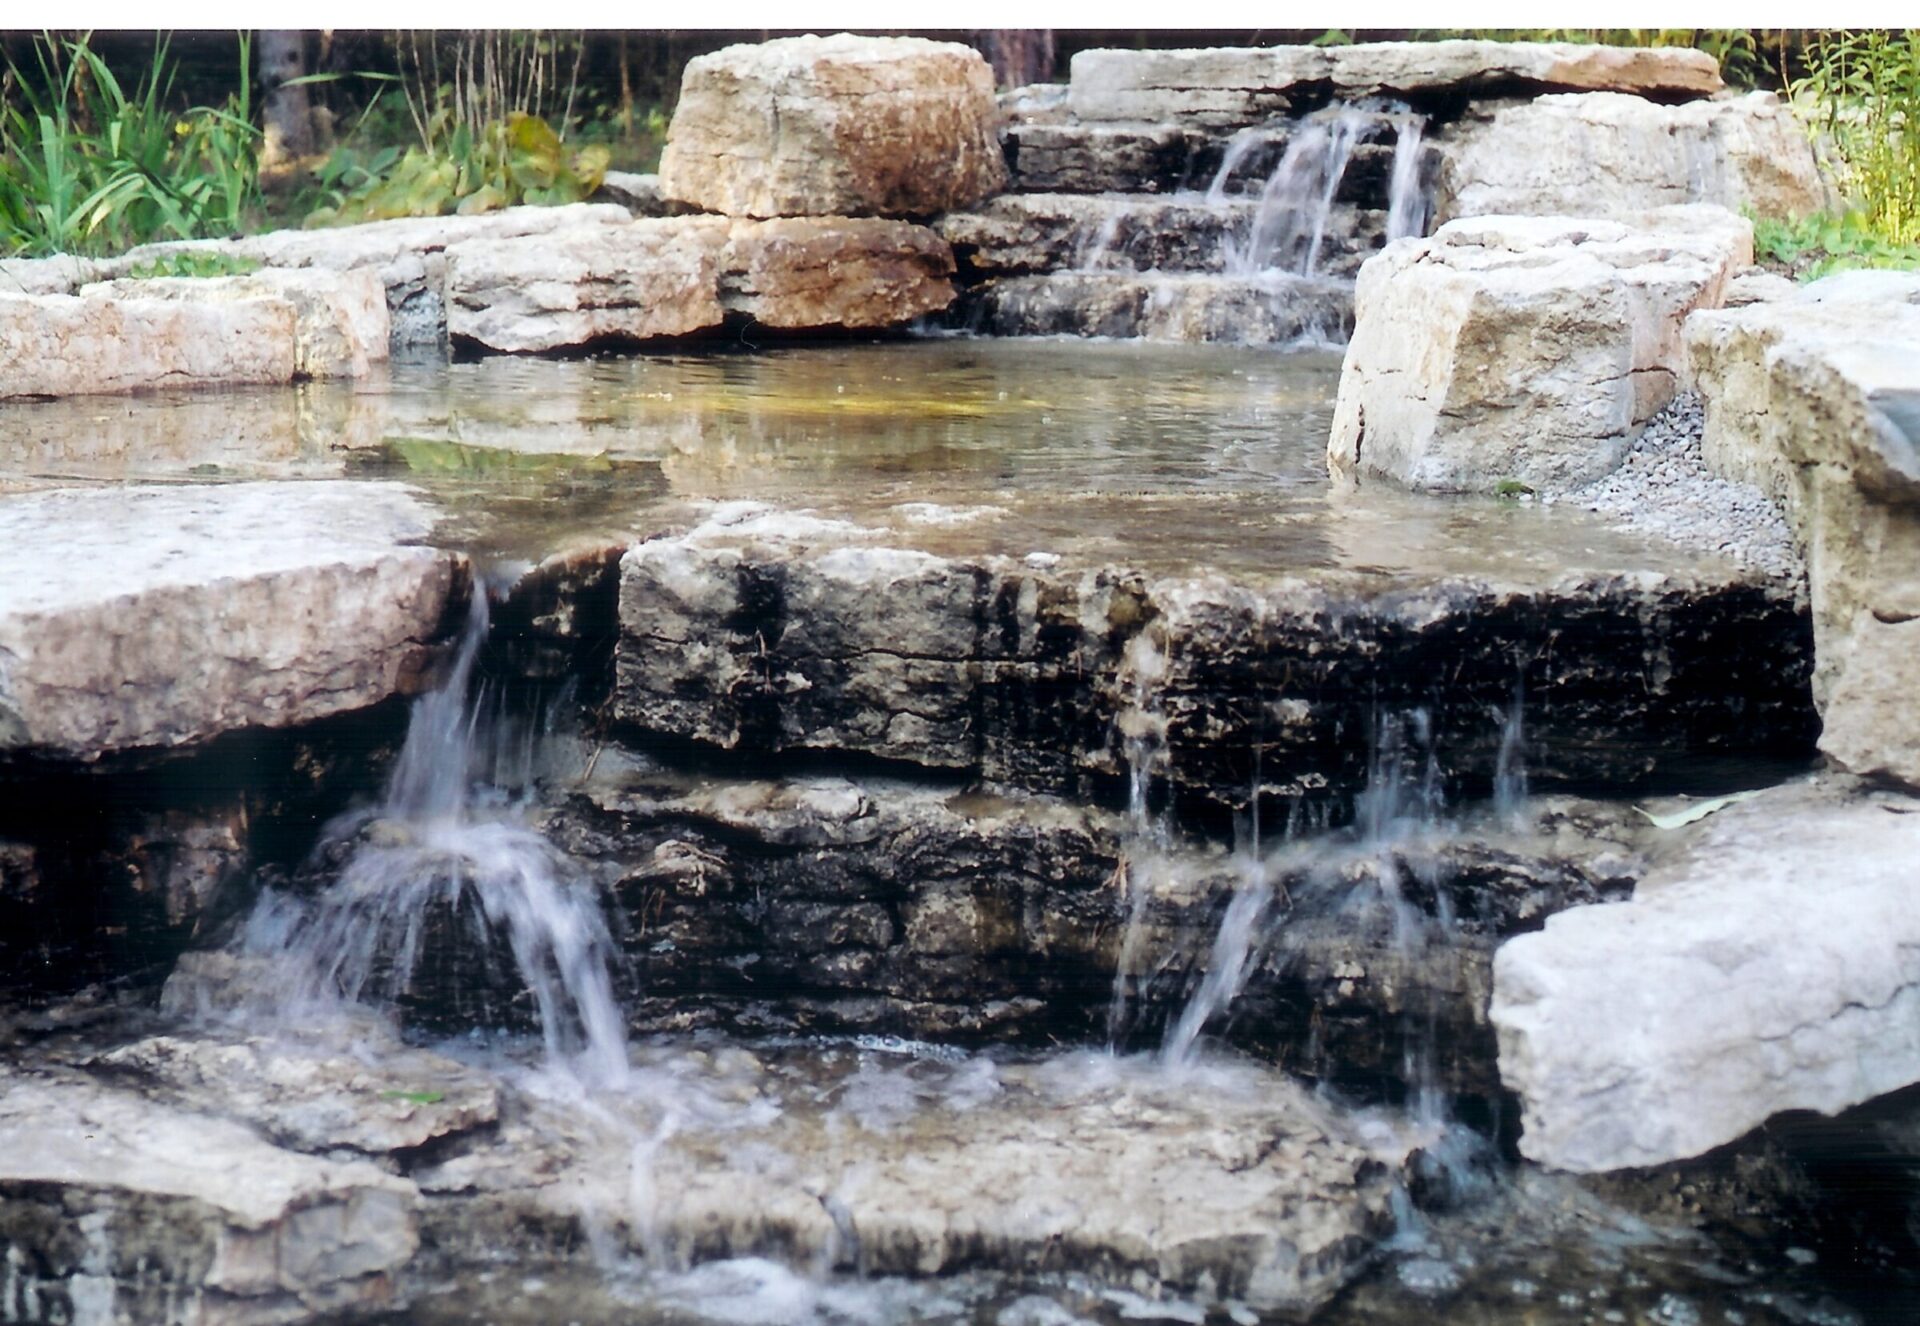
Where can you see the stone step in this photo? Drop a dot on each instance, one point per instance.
(762, 632)
(150, 618)
(1273, 310)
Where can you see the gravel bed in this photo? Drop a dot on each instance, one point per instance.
(1663, 487)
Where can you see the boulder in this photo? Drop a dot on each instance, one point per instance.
(404, 253)
(1523, 349)
(143, 617)
(63, 345)
(803, 273)
(681, 276)
(1772, 965)
(1608, 154)
(1228, 85)
(117, 1208)
(1817, 399)
(834, 126)
(640, 280)
(341, 323)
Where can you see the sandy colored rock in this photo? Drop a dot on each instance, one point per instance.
(404, 252)
(835, 271)
(640, 280)
(315, 1099)
(130, 1207)
(61, 274)
(341, 323)
(1817, 399)
(831, 126)
(1244, 85)
(1609, 154)
(62, 345)
(1242, 1187)
(1524, 349)
(1748, 976)
(160, 616)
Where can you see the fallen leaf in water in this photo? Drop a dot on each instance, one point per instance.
(1698, 811)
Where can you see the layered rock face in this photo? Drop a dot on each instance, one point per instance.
(1510, 348)
(1725, 992)
(841, 125)
(1814, 398)
(1607, 154)
(762, 632)
(139, 618)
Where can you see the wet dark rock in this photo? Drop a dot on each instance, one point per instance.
(774, 637)
(828, 905)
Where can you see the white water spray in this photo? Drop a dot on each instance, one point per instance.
(447, 858)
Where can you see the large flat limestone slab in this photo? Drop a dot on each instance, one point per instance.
(148, 617)
(1773, 965)
(64, 345)
(1231, 84)
(1229, 1182)
(126, 1209)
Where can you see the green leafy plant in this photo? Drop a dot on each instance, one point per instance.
(193, 263)
(1814, 246)
(88, 167)
(1863, 91)
(1512, 490)
(518, 160)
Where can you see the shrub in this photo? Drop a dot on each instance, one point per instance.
(1863, 91)
(518, 160)
(87, 168)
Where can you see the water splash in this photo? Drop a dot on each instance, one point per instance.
(445, 873)
(1408, 204)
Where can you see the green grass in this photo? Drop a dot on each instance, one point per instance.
(193, 263)
(1863, 90)
(1810, 247)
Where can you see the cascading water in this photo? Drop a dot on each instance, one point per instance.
(1290, 223)
(1143, 732)
(447, 848)
(1408, 203)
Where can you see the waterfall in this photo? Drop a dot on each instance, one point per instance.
(1510, 767)
(1290, 221)
(1407, 201)
(1143, 732)
(1234, 945)
(447, 860)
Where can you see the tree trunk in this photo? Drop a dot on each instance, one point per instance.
(1019, 56)
(286, 111)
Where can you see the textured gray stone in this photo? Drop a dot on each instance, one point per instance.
(161, 616)
(1521, 348)
(1772, 965)
(62, 345)
(834, 126)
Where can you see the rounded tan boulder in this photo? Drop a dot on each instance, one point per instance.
(841, 125)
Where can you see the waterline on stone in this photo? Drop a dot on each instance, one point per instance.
(446, 875)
